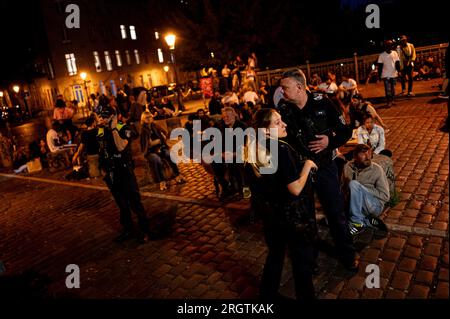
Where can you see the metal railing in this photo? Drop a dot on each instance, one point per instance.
(358, 67)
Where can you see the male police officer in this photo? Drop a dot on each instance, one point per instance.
(315, 130)
(116, 160)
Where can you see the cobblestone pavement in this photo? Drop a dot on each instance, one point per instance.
(208, 249)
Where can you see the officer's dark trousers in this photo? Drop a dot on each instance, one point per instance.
(330, 197)
(301, 253)
(125, 191)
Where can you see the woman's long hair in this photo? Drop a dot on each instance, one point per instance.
(256, 153)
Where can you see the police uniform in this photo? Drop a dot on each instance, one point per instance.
(320, 116)
(120, 178)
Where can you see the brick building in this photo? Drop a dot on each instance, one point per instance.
(117, 43)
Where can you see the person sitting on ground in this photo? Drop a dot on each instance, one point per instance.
(20, 159)
(234, 171)
(215, 105)
(348, 87)
(372, 135)
(328, 87)
(161, 112)
(358, 109)
(250, 96)
(367, 188)
(166, 103)
(155, 149)
(89, 145)
(230, 98)
(315, 82)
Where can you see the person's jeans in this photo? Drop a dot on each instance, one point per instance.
(362, 204)
(407, 72)
(155, 162)
(389, 88)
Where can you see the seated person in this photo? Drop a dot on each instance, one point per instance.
(89, 145)
(328, 87)
(166, 103)
(215, 105)
(367, 190)
(230, 98)
(358, 109)
(55, 142)
(232, 170)
(160, 112)
(53, 137)
(347, 88)
(315, 82)
(372, 135)
(20, 160)
(154, 146)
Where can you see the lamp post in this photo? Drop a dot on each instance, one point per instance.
(170, 40)
(166, 69)
(83, 76)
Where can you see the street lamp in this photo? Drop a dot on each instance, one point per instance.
(170, 40)
(83, 76)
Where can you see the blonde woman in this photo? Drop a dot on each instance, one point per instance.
(285, 202)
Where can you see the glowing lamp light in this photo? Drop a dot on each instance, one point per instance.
(170, 40)
(16, 88)
(166, 68)
(1, 93)
(373, 67)
(83, 75)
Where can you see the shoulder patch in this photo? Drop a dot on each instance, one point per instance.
(342, 119)
(317, 96)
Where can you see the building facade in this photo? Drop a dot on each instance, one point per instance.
(116, 43)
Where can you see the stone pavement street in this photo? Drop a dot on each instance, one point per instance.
(208, 250)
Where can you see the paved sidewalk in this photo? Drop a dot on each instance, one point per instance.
(210, 250)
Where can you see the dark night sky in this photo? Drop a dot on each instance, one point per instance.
(335, 29)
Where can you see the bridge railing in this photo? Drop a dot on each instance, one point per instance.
(358, 67)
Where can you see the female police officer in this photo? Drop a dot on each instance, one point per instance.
(285, 203)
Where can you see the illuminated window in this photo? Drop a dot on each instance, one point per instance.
(71, 64)
(118, 58)
(108, 61)
(160, 56)
(97, 62)
(133, 32)
(127, 54)
(123, 31)
(136, 56)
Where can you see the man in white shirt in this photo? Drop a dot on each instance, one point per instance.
(250, 96)
(388, 67)
(230, 99)
(52, 138)
(328, 87)
(348, 87)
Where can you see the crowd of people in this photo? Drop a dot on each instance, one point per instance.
(309, 123)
